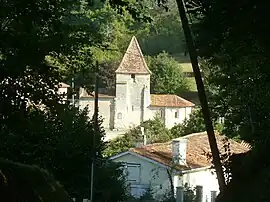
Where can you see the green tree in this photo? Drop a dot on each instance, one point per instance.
(194, 124)
(109, 32)
(60, 140)
(121, 144)
(30, 30)
(167, 75)
(162, 33)
(155, 132)
(114, 31)
(15, 176)
(237, 74)
(155, 29)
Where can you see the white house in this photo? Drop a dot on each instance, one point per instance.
(186, 158)
(63, 88)
(132, 102)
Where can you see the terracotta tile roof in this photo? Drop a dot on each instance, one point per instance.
(133, 61)
(197, 150)
(169, 101)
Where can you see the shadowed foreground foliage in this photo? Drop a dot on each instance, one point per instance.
(61, 141)
(20, 182)
(250, 176)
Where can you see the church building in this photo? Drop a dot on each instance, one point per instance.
(133, 103)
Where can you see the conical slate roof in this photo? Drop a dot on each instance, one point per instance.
(133, 61)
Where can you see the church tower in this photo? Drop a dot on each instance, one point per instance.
(132, 88)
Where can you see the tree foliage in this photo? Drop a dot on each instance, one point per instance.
(62, 142)
(167, 76)
(250, 176)
(232, 39)
(164, 34)
(41, 186)
(156, 30)
(194, 124)
(30, 31)
(111, 31)
(42, 43)
(237, 74)
(155, 131)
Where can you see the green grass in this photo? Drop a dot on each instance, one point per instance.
(184, 62)
(192, 83)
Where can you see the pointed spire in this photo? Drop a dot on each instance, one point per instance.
(133, 61)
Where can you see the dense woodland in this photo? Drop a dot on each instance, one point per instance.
(45, 42)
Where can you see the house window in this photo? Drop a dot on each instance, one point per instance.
(162, 113)
(119, 116)
(176, 115)
(133, 172)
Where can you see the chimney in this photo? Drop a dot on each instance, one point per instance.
(179, 151)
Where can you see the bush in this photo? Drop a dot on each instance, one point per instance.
(155, 131)
(189, 194)
(167, 75)
(194, 124)
(61, 141)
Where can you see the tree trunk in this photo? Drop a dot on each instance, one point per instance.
(171, 183)
(96, 129)
(202, 96)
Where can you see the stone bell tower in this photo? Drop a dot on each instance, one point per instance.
(132, 88)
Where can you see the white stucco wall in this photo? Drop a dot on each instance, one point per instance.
(150, 174)
(203, 177)
(171, 119)
(188, 111)
(151, 112)
(62, 90)
(156, 176)
(106, 109)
